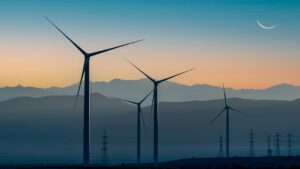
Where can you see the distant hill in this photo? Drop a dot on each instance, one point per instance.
(169, 91)
(47, 129)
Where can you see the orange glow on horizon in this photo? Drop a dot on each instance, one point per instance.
(57, 63)
(246, 73)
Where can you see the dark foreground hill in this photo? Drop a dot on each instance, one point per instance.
(235, 162)
(47, 130)
(190, 163)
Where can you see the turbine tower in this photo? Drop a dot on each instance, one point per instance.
(86, 74)
(139, 117)
(155, 106)
(226, 108)
(221, 147)
(251, 150)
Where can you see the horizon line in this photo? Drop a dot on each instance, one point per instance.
(187, 85)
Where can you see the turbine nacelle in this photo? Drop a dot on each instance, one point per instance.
(86, 54)
(154, 81)
(115, 47)
(89, 55)
(227, 108)
(85, 72)
(170, 77)
(137, 103)
(154, 106)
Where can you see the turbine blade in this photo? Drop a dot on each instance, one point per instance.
(150, 78)
(217, 116)
(106, 50)
(175, 75)
(146, 97)
(128, 101)
(235, 110)
(80, 82)
(151, 110)
(225, 97)
(79, 48)
(143, 121)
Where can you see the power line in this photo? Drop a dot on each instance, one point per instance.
(277, 143)
(290, 142)
(269, 150)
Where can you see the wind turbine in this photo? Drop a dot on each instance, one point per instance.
(155, 106)
(139, 116)
(226, 108)
(86, 73)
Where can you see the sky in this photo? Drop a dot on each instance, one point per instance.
(220, 38)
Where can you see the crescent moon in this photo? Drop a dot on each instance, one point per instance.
(265, 27)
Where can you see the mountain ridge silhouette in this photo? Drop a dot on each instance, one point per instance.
(170, 91)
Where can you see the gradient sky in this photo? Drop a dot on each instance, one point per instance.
(218, 37)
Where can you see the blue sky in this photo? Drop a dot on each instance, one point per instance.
(222, 30)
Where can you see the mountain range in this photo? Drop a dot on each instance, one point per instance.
(169, 91)
(48, 130)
